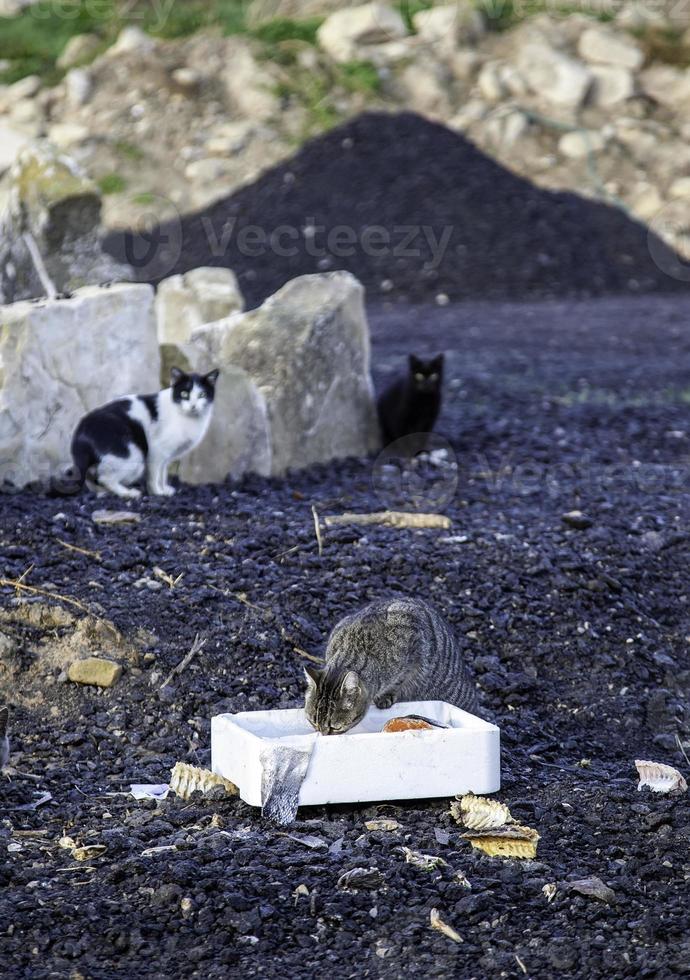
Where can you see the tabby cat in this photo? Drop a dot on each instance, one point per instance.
(397, 649)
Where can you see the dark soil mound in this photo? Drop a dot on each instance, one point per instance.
(412, 209)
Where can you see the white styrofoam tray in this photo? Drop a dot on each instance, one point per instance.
(365, 763)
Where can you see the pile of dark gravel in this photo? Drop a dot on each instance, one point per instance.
(413, 210)
(578, 638)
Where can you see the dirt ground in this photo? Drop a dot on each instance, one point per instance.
(579, 638)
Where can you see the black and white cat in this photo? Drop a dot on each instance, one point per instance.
(115, 445)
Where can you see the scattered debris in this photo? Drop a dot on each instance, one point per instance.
(384, 823)
(186, 779)
(168, 579)
(478, 813)
(462, 879)
(115, 517)
(41, 798)
(196, 646)
(4, 740)
(94, 670)
(361, 878)
(593, 888)
(155, 851)
(391, 518)
(442, 836)
(427, 862)
(659, 778)
(79, 551)
(513, 842)
(149, 791)
(437, 923)
(549, 891)
(82, 852)
(299, 892)
(308, 840)
(576, 519)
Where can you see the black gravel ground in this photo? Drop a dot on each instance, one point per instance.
(413, 210)
(580, 642)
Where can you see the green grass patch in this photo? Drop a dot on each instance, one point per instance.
(129, 150)
(360, 76)
(282, 29)
(112, 184)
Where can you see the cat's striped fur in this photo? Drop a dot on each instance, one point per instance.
(397, 649)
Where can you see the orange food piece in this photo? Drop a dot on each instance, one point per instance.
(407, 725)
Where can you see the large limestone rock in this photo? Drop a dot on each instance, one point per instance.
(300, 366)
(450, 25)
(554, 76)
(185, 302)
(62, 358)
(346, 34)
(48, 205)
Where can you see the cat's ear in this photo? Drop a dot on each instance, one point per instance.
(438, 361)
(350, 685)
(313, 676)
(413, 361)
(175, 375)
(212, 377)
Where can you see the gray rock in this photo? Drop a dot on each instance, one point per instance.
(185, 302)
(305, 358)
(554, 76)
(50, 206)
(79, 50)
(346, 33)
(62, 358)
(605, 46)
(611, 85)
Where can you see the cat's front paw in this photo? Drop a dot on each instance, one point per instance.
(166, 491)
(385, 701)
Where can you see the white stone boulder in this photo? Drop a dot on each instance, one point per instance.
(449, 26)
(300, 365)
(554, 76)
(346, 33)
(667, 85)
(611, 85)
(185, 302)
(62, 358)
(604, 46)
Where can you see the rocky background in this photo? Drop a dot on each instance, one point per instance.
(183, 103)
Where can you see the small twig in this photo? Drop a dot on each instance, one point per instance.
(168, 579)
(18, 584)
(81, 551)
(391, 518)
(681, 749)
(317, 528)
(309, 656)
(197, 645)
(11, 771)
(520, 964)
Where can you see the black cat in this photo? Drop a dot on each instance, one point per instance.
(412, 403)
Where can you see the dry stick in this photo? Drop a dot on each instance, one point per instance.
(81, 551)
(197, 645)
(309, 656)
(18, 584)
(317, 528)
(390, 518)
(681, 749)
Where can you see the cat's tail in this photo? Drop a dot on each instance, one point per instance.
(73, 479)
